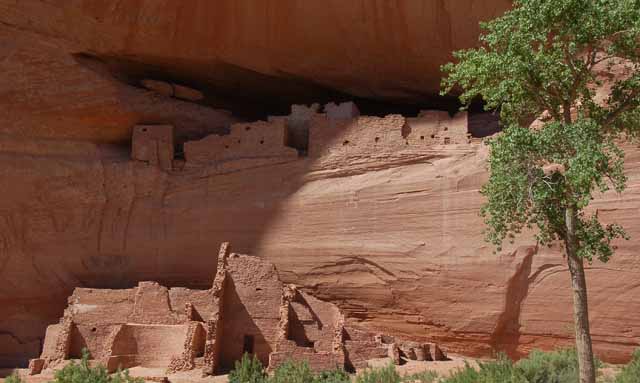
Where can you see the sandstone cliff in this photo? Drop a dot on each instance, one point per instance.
(290, 49)
(390, 234)
(381, 221)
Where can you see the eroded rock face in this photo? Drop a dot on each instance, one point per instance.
(50, 92)
(383, 221)
(377, 218)
(372, 49)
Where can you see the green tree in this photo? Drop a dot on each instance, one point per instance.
(541, 59)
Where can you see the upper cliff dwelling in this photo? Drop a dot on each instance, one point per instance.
(308, 131)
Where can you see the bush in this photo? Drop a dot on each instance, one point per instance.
(499, 371)
(83, 373)
(248, 370)
(549, 367)
(292, 372)
(631, 372)
(15, 378)
(332, 376)
(421, 377)
(386, 374)
(539, 367)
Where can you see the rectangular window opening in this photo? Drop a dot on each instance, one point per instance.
(247, 346)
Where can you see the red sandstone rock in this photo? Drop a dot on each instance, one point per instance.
(384, 222)
(186, 93)
(48, 92)
(160, 87)
(374, 49)
(389, 233)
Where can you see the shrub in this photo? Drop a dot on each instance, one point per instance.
(292, 372)
(539, 367)
(386, 374)
(13, 378)
(549, 367)
(499, 371)
(631, 372)
(332, 376)
(83, 373)
(421, 377)
(248, 370)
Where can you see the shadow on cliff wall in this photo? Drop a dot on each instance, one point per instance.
(119, 222)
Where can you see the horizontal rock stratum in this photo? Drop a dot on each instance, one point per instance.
(288, 49)
(377, 215)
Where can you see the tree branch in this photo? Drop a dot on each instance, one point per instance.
(623, 107)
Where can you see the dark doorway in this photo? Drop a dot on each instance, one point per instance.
(247, 346)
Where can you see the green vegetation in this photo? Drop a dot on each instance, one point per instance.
(292, 372)
(631, 372)
(248, 370)
(488, 372)
(557, 366)
(83, 373)
(540, 367)
(333, 376)
(387, 374)
(15, 378)
(421, 377)
(541, 59)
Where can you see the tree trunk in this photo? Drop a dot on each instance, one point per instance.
(580, 307)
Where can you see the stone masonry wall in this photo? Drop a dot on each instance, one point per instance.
(247, 145)
(153, 144)
(251, 310)
(213, 323)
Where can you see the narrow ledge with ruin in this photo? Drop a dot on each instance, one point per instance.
(337, 136)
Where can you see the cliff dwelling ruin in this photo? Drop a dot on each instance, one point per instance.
(338, 133)
(136, 136)
(247, 310)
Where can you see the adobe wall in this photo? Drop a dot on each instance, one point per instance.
(313, 322)
(361, 346)
(351, 140)
(194, 347)
(251, 308)
(247, 309)
(214, 323)
(153, 144)
(317, 361)
(150, 303)
(49, 344)
(98, 313)
(200, 300)
(310, 330)
(247, 145)
(150, 345)
(337, 135)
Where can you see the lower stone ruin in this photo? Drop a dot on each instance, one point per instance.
(247, 310)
